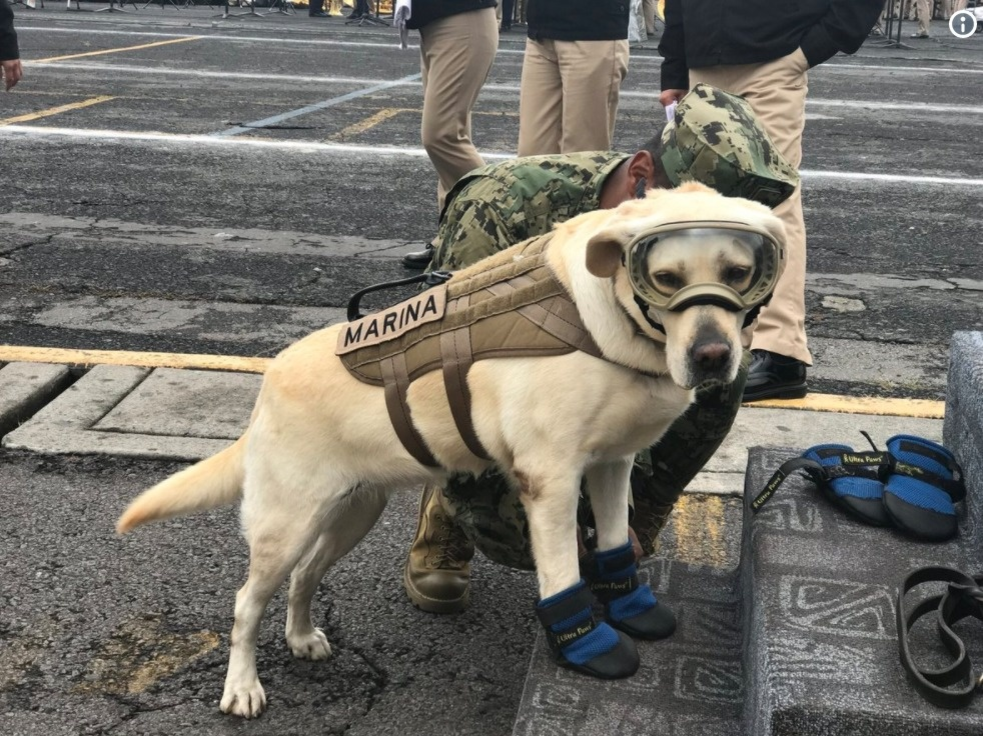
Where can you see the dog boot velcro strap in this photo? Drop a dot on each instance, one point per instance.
(924, 483)
(849, 479)
(631, 607)
(579, 642)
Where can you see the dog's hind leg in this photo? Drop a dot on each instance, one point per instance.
(346, 525)
(278, 537)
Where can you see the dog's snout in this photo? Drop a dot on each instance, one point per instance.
(710, 353)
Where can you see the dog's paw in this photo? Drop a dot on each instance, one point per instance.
(246, 699)
(310, 646)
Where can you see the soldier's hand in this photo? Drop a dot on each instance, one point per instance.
(669, 96)
(11, 72)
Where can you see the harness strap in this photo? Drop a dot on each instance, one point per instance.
(397, 381)
(457, 356)
(953, 686)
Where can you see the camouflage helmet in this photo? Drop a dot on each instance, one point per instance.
(716, 139)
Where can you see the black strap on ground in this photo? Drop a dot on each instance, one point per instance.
(434, 278)
(953, 686)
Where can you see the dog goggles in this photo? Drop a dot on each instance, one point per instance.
(685, 264)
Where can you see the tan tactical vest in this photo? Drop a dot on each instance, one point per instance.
(512, 308)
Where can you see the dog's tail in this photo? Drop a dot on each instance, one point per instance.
(213, 482)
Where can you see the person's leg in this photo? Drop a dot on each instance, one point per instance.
(776, 90)
(591, 73)
(437, 574)
(923, 11)
(648, 9)
(506, 15)
(457, 53)
(540, 100)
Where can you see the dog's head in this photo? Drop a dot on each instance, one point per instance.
(691, 268)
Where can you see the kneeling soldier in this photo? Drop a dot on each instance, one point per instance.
(714, 139)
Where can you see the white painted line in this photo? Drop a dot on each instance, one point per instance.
(636, 57)
(276, 119)
(232, 39)
(85, 135)
(414, 82)
(890, 178)
(172, 72)
(943, 70)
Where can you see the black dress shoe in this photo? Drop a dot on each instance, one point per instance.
(318, 14)
(419, 258)
(774, 376)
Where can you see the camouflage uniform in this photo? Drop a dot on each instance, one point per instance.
(500, 204)
(714, 139)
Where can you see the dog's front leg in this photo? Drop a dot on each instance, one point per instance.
(565, 608)
(629, 606)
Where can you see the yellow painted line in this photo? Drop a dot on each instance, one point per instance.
(388, 113)
(56, 110)
(27, 354)
(117, 51)
(368, 123)
(699, 524)
(913, 408)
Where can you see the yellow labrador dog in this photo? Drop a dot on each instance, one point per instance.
(663, 285)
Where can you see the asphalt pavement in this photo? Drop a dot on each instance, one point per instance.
(177, 182)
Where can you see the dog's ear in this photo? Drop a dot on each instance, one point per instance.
(604, 252)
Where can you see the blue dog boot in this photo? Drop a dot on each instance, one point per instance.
(631, 608)
(924, 484)
(852, 480)
(579, 642)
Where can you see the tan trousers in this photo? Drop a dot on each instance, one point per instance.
(776, 91)
(953, 6)
(456, 54)
(923, 11)
(568, 97)
(648, 10)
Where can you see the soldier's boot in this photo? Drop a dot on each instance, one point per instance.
(437, 576)
(629, 606)
(580, 642)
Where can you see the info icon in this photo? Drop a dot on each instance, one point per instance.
(962, 24)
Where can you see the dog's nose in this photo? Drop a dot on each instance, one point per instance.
(710, 355)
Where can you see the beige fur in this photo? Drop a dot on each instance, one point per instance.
(320, 457)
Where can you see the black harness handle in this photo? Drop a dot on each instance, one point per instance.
(434, 278)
